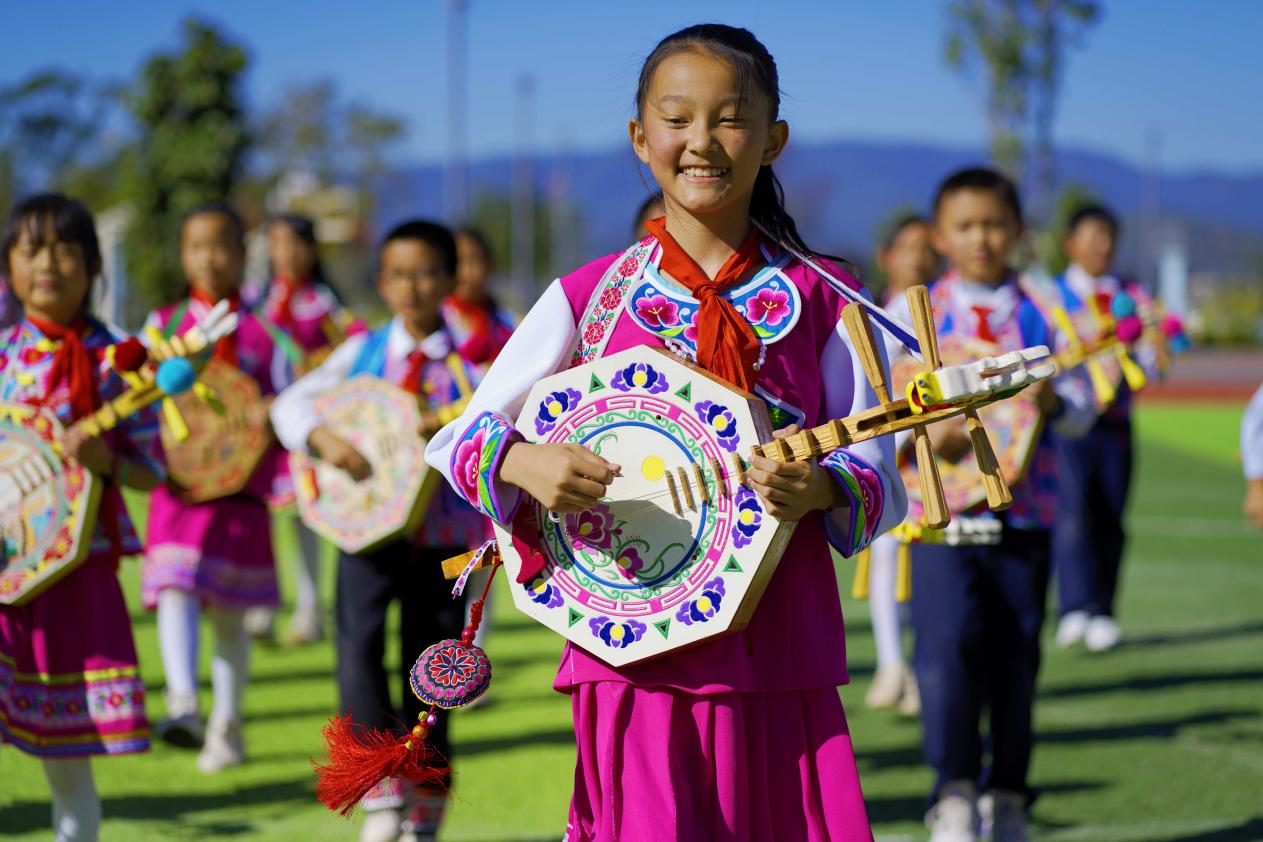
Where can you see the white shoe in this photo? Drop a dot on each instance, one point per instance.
(955, 817)
(1003, 816)
(260, 622)
(1071, 629)
(183, 726)
(380, 826)
(887, 687)
(910, 704)
(306, 626)
(1103, 634)
(224, 747)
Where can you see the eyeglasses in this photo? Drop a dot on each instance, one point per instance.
(400, 277)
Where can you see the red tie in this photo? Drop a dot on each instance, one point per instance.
(225, 348)
(984, 326)
(412, 379)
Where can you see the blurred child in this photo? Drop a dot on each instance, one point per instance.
(70, 685)
(10, 309)
(417, 268)
(1094, 471)
(907, 259)
(1252, 457)
(977, 610)
(477, 323)
(306, 318)
(215, 555)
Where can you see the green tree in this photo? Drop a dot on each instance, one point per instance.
(300, 132)
(192, 139)
(1050, 245)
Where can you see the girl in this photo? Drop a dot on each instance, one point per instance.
(479, 325)
(743, 737)
(218, 553)
(306, 318)
(907, 259)
(70, 686)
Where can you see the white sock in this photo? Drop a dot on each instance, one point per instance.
(307, 574)
(881, 600)
(76, 805)
(177, 640)
(230, 665)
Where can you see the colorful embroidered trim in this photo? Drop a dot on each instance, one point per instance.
(596, 325)
(866, 496)
(477, 457)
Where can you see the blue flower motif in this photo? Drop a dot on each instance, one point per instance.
(543, 592)
(553, 406)
(706, 606)
(724, 424)
(615, 634)
(640, 376)
(749, 517)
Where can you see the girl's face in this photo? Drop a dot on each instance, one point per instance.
(910, 260)
(702, 138)
(291, 256)
(976, 231)
(212, 254)
(472, 269)
(49, 277)
(413, 282)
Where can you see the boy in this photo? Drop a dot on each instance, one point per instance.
(417, 269)
(977, 610)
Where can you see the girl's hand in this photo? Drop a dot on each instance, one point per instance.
(1046, 398)
(1253, 506)
(89, 451)
(565, 478)
(792, 489)
(338, 452)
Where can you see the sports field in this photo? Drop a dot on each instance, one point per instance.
(1160, 741)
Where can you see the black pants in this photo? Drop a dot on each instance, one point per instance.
(977, 612)
(428, 614)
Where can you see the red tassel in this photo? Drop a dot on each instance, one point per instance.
(360, 757)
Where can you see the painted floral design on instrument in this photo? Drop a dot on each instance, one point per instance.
(592, 529)
(723, 422)
(640, 376)
(544, 592)
(615, 634)
(553, 407)
(749, 517)
(706, 605)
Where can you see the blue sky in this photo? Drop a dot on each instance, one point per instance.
(850, 69)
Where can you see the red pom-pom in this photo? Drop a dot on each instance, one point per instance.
(1129, 329)
(129, 355)
(360, 757)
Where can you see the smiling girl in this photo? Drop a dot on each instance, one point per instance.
(743, 737)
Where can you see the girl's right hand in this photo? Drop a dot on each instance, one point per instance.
(565, 478)
(338, 452)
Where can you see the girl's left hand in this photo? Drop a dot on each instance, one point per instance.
(89, 451)
(791, 489)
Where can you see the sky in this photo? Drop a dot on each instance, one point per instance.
(1164, 78)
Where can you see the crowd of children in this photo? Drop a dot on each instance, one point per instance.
(742, 738)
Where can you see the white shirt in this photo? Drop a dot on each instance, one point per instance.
(1252, 437)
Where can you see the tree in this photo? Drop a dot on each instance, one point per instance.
(300, 132)
(1051, 246)
(368, 134)
(190, 148)
(1021, 44)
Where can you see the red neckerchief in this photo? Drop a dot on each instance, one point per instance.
(726, 344)
(984, 323)
(479, 345)
(284, 316)
(72, 363)
(225, 348)
(412, 377)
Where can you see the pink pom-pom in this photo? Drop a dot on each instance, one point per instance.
(1172, 326)
(1129, 328)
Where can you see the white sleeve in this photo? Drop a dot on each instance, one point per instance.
(541, 345)
(1252, 437)
(293, 416)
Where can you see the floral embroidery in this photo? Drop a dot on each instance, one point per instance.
(640, 376)
(606, 304)
(724, 424)
(543, 592)
(451, 667)
(476, 458)
(615, 634)
(592, 529)
(592, 333)
(658, 311)
(769, 302)
(611, 298)
(629, 266)
(629, 561)
(749, 517)
(865, 494)
(706, 606)
(552, 407)
(768, 306)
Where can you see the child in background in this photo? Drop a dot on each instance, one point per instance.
(907, 259)
(977, 610)
(306, 318)
(216, 554)
(1252, 458)
(10, 309)
(743, 737)
(417, 266)
(1094, 471)
(70, 685)
(477, 323)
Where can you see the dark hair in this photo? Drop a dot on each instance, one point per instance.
(754, 65)
(479, 240)
(984, 180)
(218, 208)
(892, 231)
(642, 212)
(1097, 213)
(436, 236)
(69, 220)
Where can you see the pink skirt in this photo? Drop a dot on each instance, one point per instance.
(657, 764)
(69, 680)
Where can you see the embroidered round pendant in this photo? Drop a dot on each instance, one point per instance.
(450, 674)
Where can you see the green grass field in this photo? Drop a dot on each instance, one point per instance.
(1160, 741)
